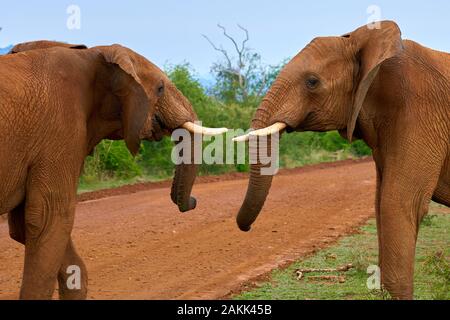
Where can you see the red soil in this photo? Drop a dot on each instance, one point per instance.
(137, 245)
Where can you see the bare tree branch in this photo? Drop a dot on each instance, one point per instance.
(231, 39)
(222, 50)
(262, 86)
(241, 66)
(246, 37)
(241, 57)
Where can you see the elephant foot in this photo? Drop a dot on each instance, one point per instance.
(399, 291)
(66, 294)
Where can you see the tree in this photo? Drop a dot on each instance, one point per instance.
(241, 77)
(182, 75)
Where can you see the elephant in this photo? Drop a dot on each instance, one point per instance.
(394, 94)
(57, 102)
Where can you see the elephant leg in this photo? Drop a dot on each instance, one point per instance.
(17, 230)
(377, 209)
(43, 259)
(71, 288)
(16, 223)
(49, 215)
(403, 203)
(397, 250)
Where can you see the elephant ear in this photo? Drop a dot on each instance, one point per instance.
(127, 86)
(43, 44)
(374, 46)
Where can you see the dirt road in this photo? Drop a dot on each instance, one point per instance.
(138, 246)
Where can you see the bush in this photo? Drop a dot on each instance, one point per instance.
(332, 141)
(359, 148)
(111, 159)
(155, 158)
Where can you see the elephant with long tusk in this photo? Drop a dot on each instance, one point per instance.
(392, 93)
(70, 98)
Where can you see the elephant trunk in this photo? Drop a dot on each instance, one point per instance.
(183, 181)
(257, 191)
(269, 121)
(182, 187)
(260, 182)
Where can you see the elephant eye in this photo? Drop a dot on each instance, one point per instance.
(160, 90)
(312, 83)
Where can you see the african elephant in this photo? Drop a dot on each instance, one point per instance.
(57, 102)
(392, 93)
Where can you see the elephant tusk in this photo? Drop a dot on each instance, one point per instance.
(264, 132)
(277, 127)
(195, 128)
(243, 138)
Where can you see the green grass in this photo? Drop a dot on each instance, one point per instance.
(432, 268)
(109, 183)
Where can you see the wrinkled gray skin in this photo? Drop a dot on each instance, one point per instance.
(57, 102)
(395, 95)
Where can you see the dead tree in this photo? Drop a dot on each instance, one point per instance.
(242, 65)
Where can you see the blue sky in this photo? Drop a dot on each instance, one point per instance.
(169, 31)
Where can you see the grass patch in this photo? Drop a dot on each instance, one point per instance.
(87, 185)
(432, 268)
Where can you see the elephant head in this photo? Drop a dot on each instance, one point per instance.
(135, 100)
(152, 107)
(322, 88)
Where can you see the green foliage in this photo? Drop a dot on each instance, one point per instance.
(428, 220)
(245, 84)
(359, 148)
(436, 264)
(111, 158)
(156, 158)
(332, 141)
(182, 76)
